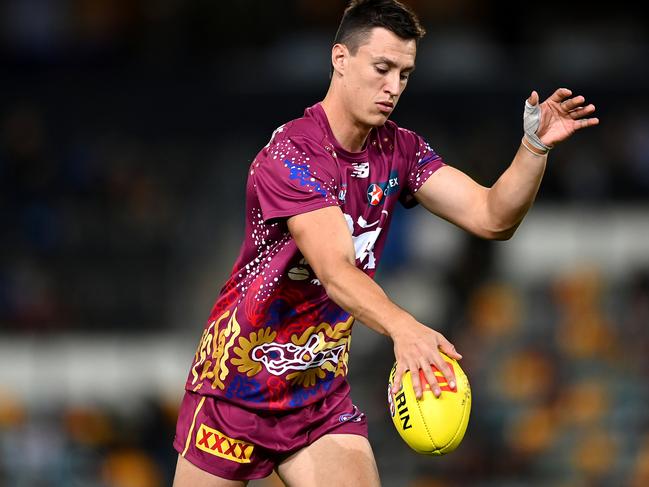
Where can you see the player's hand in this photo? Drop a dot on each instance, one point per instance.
(416, 347)
(562, 115)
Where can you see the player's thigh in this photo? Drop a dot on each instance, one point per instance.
(343, 460)
(189, 475)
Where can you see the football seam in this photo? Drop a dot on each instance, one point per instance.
(430, 437)
(457, 432)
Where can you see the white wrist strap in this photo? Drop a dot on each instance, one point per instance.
(533, 150)
(531, 122)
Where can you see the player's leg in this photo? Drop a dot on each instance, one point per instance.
(188, 475)
(341, 460)
(214, 447)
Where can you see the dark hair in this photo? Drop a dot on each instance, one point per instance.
(361, 16)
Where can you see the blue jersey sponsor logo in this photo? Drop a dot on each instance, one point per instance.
(377, 192)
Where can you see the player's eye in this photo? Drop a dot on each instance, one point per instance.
(381, 69)
(404, 76)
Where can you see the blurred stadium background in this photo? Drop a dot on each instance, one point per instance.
(126, 128)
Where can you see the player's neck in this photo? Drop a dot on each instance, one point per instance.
(350, 135)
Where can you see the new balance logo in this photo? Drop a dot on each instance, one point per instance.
(361, 169)
(216, 443)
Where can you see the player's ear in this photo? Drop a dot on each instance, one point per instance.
(339, 57)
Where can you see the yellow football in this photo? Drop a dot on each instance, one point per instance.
(431, 425)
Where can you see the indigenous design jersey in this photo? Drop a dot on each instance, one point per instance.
(274, 340)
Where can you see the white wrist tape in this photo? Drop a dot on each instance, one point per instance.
(531, 122)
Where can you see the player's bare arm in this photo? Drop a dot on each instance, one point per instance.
(324, 239)
(496, 212)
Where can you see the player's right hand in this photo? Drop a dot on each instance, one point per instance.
(417, 347)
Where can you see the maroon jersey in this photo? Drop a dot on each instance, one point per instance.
(274, 340)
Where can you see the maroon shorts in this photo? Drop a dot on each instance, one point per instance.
(241, 444)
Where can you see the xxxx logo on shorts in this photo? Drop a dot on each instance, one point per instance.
(216, 443)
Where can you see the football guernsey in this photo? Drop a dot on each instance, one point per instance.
(274, 340)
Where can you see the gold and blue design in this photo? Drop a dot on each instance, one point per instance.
(305, 360)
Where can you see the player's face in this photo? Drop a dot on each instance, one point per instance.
(377, 75)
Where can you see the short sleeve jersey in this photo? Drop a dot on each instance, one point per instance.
(274, 340)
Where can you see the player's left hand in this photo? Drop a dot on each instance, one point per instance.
(562, 115)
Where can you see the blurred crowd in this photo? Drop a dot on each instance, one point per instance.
(126, 129)
(558, 373)
(93, 445)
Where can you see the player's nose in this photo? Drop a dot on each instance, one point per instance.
(392, 84)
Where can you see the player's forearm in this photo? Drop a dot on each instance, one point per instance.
(355, 292)
(511, 196)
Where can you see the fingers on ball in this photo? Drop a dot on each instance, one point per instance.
(429, 375)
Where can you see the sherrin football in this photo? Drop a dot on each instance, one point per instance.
(431, 425)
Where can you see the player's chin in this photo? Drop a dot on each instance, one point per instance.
(378, 119)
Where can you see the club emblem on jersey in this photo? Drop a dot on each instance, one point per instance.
(342, 194)
(374, 194)
(361, 169)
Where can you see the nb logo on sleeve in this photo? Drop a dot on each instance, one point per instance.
(216, 443)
